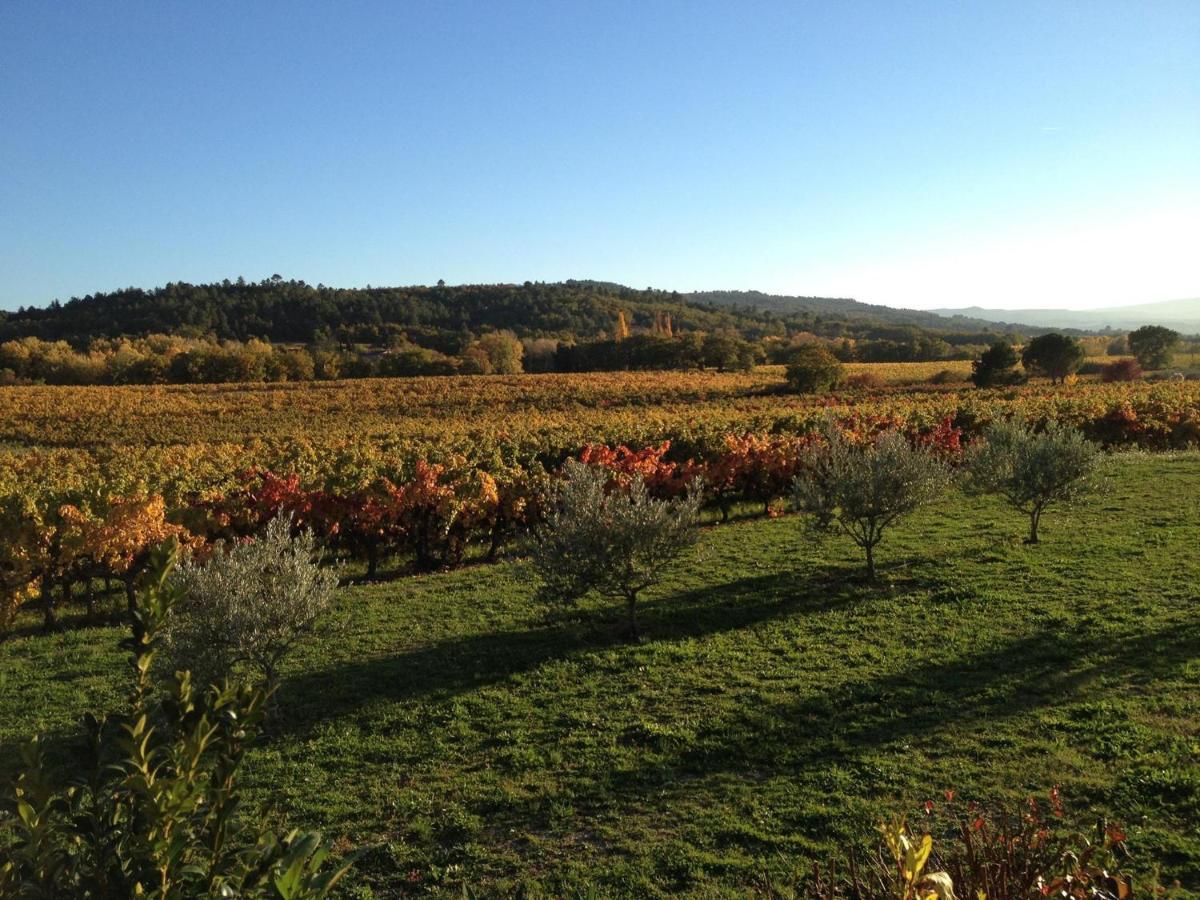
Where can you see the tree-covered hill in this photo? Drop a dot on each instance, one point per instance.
(279, 329)
(438, 317)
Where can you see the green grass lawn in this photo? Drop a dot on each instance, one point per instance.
(777, 710)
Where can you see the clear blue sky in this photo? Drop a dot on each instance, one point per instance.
(1007, 153)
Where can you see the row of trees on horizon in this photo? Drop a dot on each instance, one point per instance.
(278, 330)
(168, 359)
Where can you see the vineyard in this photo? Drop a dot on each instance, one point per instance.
(464, 741)
(437, 470)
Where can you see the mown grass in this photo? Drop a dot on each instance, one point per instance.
(779, 708)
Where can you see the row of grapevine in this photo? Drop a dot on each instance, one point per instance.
(71, 516)
(53, 555)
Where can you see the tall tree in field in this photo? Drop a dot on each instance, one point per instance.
(1153, 345)
(1054, 355)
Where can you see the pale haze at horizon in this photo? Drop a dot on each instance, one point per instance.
(924, 155)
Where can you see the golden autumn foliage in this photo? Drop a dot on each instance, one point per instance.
(89, 478)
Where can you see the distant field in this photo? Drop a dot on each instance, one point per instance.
(912, 373)
(904, 373)
(779, 709)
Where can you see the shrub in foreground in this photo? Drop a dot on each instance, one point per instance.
(962, 850)
(249, 606)
(154, 808)
(1031, 469)
(865, 488)
(613, 539)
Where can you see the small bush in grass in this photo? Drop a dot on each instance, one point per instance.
(1121, 370)
(1032, 469)
(153, 808)
(864, 489)
(864, 381)
(812, 369)
(946, 376)
(616, 542)
(251, 605)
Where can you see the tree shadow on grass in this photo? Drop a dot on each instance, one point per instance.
(915, 706)
(450, 667)
(846, 727)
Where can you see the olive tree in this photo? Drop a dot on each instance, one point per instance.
(249, 606)
(1032, 469)
(862, 489)
(615, 540)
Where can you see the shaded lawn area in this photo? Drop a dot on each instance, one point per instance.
(779, 708)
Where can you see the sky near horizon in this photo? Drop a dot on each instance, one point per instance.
(922, 154)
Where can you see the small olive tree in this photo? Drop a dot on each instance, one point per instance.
(249, 606)
(1032, 469)
(616, 541)
(863, 489)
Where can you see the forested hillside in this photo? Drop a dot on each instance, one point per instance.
(280, 330)
(293, 311)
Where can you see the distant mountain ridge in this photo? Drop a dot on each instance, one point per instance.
(1182, 315)
(837, 307)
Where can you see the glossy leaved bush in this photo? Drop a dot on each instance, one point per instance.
(153, 807)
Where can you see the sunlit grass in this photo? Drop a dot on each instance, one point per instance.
(779, 707)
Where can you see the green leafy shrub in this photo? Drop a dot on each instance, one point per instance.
(865, 488)
(1032, 469)
(813, 369)
(153, 809)
(249, 606)
(996, 367)
(611, 537)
